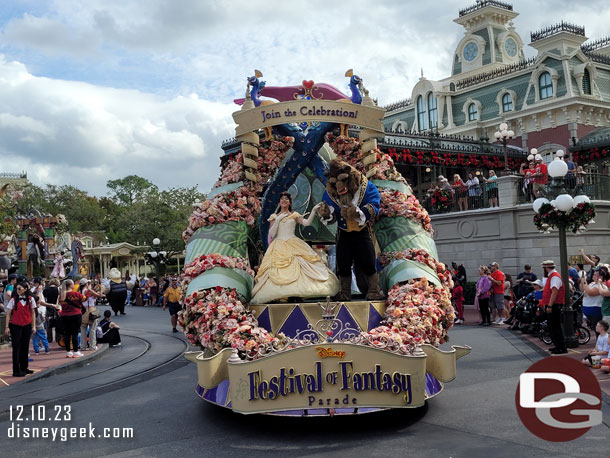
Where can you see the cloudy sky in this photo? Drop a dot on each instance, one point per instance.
(95, 90)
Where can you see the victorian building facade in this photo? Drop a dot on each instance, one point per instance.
(550, 100)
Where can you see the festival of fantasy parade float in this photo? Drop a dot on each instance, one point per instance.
(290, 336)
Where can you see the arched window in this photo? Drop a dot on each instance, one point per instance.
(432, 111)
(473, 114)
(507, 102)
(421, 113)
(546, 86)
(586, 82)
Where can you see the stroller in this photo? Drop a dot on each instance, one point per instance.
(54, 321)
(526, 315)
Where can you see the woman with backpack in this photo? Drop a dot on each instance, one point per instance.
(90, 315)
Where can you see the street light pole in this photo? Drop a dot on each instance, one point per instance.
(504, 135)
(563, 202)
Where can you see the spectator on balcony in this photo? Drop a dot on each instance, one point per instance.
(580, 177)
(528, 181)
(492, 188)
(570, 179)
(460, 190)
(541, 177)
(474, 191)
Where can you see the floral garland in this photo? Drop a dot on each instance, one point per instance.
(239, 205)
(591, 155)
(349, 150)
(548, 217)
(408, 156)
(270, 158)
(441, 200)
(417, 313)
(206, 262)
(418, 255)
(216, 318)
(233, 172)
(396, 203)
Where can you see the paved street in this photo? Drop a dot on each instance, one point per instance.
(146, 385)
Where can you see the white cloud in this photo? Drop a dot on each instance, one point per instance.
(114, 87)
(77, 133)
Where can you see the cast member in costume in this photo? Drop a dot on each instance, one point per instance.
(353, 201)
(58, 268)
(290, 267)
(115, 290)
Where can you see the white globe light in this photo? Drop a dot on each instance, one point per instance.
(539, 203)
(553, 203)
(560, 153)
(504, 133)
(530, 157)
(497, 135)
(156, 241)
(564, 202)
(153, 254)
(581, 199)
(557, 169)
(503, 126)
(534, 151)
(511, 133)
(163, 253)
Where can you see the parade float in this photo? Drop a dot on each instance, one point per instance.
(313, 357)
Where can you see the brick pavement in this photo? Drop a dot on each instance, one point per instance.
(42, 365)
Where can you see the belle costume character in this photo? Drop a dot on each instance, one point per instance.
(290, 267)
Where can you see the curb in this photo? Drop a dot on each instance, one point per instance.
(74, 363)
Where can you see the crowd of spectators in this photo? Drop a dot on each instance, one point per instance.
(463, 195)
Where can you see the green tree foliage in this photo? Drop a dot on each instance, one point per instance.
(131, 189)
(135, 210)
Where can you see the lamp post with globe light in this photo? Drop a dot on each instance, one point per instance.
(504, 135)
(564, 202)
(156, 256)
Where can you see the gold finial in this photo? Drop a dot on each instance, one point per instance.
(349, 73)
(258, 73)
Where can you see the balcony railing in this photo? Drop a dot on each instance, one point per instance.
(476, 198)
(593, 185)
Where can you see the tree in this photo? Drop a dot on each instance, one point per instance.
(130, 189)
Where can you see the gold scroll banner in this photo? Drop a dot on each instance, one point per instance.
(327, 376)
(441, 364)
(210, 371)
(298, 111)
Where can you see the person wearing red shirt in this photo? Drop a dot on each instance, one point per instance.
(71, 317)
(457, 294)
(497, 297)
(541, 177)
(20, 316)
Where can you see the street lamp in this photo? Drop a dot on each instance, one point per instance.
(563, 202)
(157, 256)
(504, 135)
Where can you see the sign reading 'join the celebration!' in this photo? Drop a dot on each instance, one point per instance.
(298, 111)
(327, 376)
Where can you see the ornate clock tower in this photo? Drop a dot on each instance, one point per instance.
(490, 40)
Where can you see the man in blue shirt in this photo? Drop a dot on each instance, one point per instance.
(570, 176)
(524, 281)
(573, 274)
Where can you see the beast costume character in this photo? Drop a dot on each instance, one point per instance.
(352, 201)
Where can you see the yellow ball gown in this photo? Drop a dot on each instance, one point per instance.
(290, 267)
